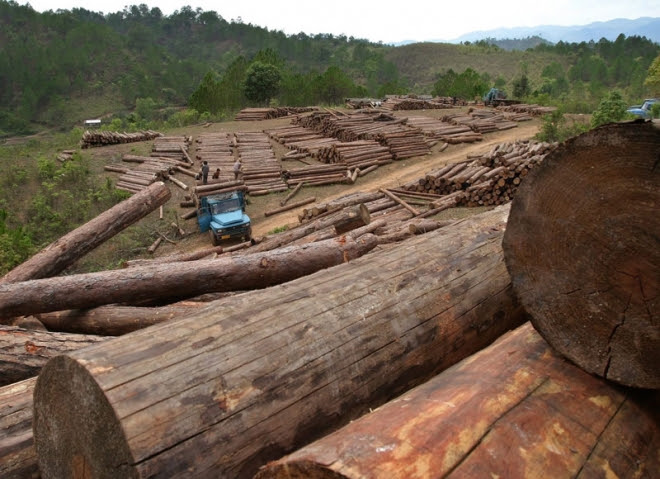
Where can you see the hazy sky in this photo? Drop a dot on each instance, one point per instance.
(390, 21)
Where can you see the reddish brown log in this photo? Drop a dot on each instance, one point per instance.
(65, 251)
(582, 247)
(176, 280)
(18, 458)
(222, 392)
(23, 352)
(516, 409)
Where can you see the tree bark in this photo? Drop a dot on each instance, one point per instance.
(177, 280)
(24, 352)
(65, 251)
(115, 320)
(18, 458)
(582, 248)
(516, 409)
(216, 394)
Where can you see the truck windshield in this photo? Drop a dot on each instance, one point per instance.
(225, 206)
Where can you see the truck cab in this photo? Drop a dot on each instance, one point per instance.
(223, 216)
(643, 110)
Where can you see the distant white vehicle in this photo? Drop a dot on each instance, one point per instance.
(92, 123)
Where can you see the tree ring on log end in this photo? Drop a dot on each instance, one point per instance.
(582, 247)
(72, 419)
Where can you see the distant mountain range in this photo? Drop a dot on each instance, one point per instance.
(644, 27)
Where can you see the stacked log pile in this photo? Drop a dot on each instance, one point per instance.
(357, 126)
(148, 170)
(174, 147)
(406, 143)
(261, 172)
(480, 121)
(444, 131)
(394, 104)
(488, 179)
(96, 138)
(534, 110)
(255, 114)
(300, 139)
(317, 175)
(216, 149)
(356, 154)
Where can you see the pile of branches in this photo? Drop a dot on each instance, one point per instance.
(97, 138)
(255, 114)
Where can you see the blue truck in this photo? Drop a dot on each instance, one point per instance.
(643, 110)
(223, 216)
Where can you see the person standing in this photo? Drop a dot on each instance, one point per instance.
(237, 169)
(205, 172)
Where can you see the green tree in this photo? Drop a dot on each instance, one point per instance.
(611, 109)
(207, 97)
(652, 81)
(521, 88)
(334, 86)
(262, 82)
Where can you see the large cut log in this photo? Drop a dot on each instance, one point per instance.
(170, 281)
(516, 409)
(23, 352)
(65, 251)
(583, 250)
(255, 376)
(18, 458)
(115, 320)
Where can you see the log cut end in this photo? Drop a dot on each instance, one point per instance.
(76, 432)
(582, 249)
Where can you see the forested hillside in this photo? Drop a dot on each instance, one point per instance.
(139, 66)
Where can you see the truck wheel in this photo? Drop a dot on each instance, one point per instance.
(214, 238)
(248, 235)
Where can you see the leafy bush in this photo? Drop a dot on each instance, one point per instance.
(611, 109)
(15, 244)
(556, 127)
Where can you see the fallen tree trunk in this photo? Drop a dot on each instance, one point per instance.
(18, 458)
(516, 409)
(23, 352)
(115, 320)
(171, 281)
(65, 251)
(582, 248)
(314, 353)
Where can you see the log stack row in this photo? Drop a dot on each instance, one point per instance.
(356, 154)
(406, 143)
(148, 170)
(261, 172)
(97, 138)
(441, 130)
(175, 147)
(394, 103)
(255, 114)
(317, 175)
(488, 179)
(531, 109)
(300, 139)
(216, 149)
(479, 121)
